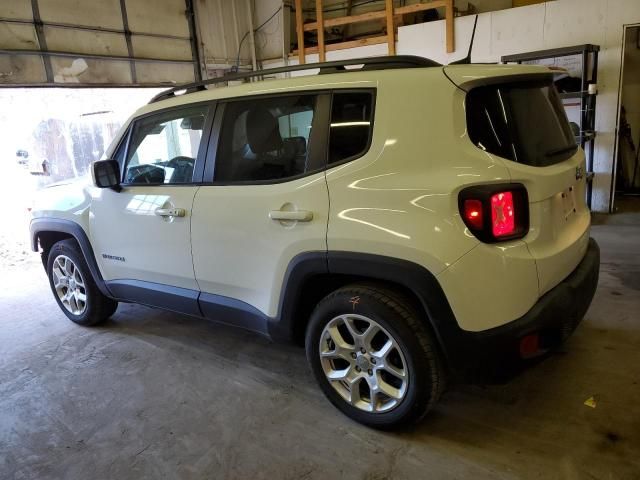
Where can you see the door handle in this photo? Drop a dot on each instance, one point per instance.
(292, 216)
(170, 212)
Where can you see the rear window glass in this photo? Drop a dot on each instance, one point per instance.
(522, 122)
(350, 131)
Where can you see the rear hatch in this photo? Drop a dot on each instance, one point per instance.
(514, 112)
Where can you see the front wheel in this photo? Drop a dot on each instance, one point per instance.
(373, 356)
(73, 286)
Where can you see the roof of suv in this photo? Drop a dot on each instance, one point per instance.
(371, 63)
(331, 75)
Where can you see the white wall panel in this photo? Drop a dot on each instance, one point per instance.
(574, 22)
(416, 39)
(517, 30)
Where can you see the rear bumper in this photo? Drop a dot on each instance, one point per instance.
(495, 354)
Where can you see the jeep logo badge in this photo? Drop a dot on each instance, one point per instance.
(579, 173)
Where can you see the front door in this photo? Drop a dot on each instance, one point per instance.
(141, 234)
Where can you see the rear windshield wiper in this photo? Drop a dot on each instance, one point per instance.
(558, 151)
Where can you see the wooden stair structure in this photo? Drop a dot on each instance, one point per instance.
(389, 13)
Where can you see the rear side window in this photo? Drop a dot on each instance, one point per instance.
(265, 139)
(522, 122)
(351, 125)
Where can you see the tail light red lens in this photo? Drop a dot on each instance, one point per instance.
(502, 214)
(495, 213)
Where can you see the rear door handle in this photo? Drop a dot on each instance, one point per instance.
(171, 212)
(296, 215)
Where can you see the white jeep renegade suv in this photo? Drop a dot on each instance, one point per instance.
(404, 220)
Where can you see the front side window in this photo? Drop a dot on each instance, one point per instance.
(351, 125)
(265, 139)
(164, 147)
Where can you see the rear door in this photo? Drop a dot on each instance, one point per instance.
(266, 201)
(141, 234)
(524, 123)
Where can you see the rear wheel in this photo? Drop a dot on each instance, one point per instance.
(373, 357)
(73, 286)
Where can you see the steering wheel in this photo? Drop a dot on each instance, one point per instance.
(181, 161)
(182, 169)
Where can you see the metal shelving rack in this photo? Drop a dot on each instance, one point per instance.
(589, 76)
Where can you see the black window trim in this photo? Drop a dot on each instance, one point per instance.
(205, 161)
(372, 121)
(199, 166)
(319, 148)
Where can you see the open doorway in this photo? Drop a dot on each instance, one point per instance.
(626, 195)
(50, 136)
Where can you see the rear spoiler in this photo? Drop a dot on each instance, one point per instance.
(470, 76)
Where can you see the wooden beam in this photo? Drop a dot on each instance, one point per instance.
(344, 45)
(365, 17)
(449, 26)
(391, 34)
(419, 7)
(333, 22)
(320, 22)
(300, 31)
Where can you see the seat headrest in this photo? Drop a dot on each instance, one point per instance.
(297, 144)
(193, 123)
(263, 132)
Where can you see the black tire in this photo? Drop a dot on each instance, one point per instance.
(97, 306)
(397, 315)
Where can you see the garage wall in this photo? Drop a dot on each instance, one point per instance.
(222, 25)
(553, 24)
(96, 42)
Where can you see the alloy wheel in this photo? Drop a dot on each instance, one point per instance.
(69, 285)
(363, 363)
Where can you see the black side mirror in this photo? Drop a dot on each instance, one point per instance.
(106, 174)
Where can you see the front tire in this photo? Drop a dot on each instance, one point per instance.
(73, 286)
(373, 357)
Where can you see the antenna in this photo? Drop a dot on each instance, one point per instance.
(467, 60)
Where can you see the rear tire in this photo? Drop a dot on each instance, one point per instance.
(373, 356)
(73, 286)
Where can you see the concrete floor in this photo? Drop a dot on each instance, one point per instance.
(157, 395)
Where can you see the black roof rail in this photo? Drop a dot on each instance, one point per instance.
(373, 63)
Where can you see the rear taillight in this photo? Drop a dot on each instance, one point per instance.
(502, 214)
(494, 213)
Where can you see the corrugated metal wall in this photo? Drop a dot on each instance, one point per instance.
(97, 42)
(133, 42)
